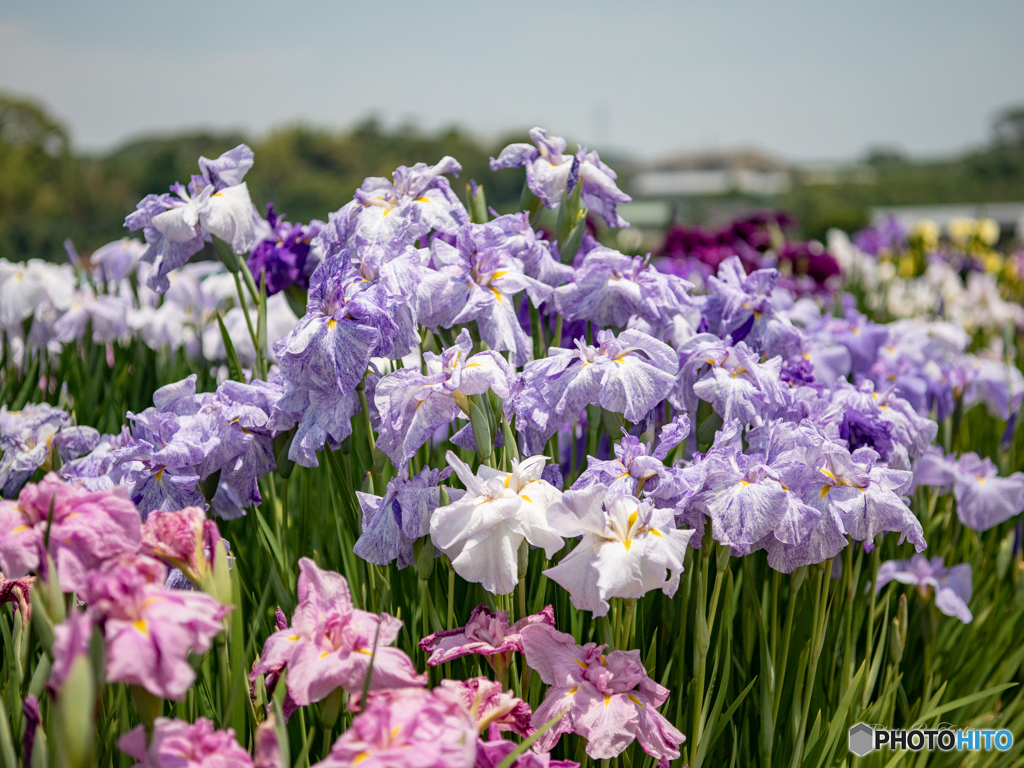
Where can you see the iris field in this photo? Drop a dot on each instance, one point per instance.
(426, 486)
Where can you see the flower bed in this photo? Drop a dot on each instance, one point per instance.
(417, 486)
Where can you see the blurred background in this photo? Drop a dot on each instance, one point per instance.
(838, 116)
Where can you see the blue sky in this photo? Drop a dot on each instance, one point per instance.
(806, 80)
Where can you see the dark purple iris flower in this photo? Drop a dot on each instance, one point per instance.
(283, 253)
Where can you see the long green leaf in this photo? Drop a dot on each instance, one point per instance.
(234, 366)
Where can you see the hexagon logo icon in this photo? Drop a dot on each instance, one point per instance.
(862, 738)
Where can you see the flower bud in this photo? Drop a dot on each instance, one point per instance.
(75, 714)
(423, 552)
(481, 429)
(1005, 554)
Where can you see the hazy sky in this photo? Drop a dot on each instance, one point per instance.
(807, 80)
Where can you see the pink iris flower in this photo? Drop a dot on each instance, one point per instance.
(150, 630)
(486, 633)
(87, 530)
(177, 744)
(331, 642)
(607, 699)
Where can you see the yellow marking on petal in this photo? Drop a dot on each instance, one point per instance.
(324, 655)
(507, 479)
(142, 626)
(627, 544)
(497, 294)
(386, 212)
(366, 652)
(527, 499)
(636, 701)
(632, 517)
(744, 483)
(604, 660)
(499, 273)
(827, 473)
(292, 639)
(472, 365)
(19, 529)
(584, 666)
(574, 689)
(331, 323)
(422, 200)
(159, 475)
(395, 730)
(824, 491)
(607, 699)
(654, 532)
(757, 315)
(360, 757)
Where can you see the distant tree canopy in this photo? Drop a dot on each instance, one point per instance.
(49, 193)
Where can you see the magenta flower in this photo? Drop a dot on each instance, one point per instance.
(177, 744)
(181, 539)
(490, 754)
(150, 630)
(88, 529)
(266, 751)
(330, 643)
(486, 633)
(494, 709)
(607, 699)
(409, 727)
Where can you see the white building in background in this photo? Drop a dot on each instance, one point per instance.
(704, 187)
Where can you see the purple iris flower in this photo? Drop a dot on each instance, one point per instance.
(860, 336)
(749, 503)
(999, 386)
(216, 203)
(408, 280)
(861, 431)
(482, 279)
(983, 499)
(732, 379)
(911, 434)
(282, 253)
(91, 470)
(952, 586)
(521, 241)
(242, 413)
(888, 235)
(609, 288)
(320, 417)
(631, 470)
(412, 203)
(550, 172)
(25, 438)
(863, 495)
(346, 323)
(629, 374)
(412, 406)
(740, 305)
(392, 523)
